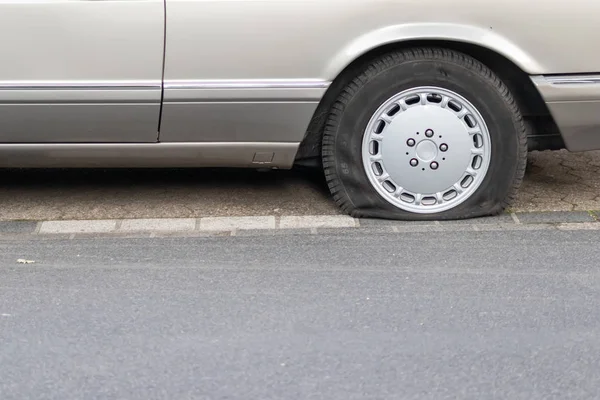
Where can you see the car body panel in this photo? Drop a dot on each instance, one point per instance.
(574, 102)
(81, 71)
(235, 121)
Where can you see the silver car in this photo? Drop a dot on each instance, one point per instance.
(414, 109)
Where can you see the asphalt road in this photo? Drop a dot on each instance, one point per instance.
(465, 315)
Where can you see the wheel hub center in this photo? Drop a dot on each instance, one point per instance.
(427, 150)
(412, 144)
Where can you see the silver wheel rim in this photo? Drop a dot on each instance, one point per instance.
(426, 150)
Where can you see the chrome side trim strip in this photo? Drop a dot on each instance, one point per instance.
(573, 79)
(248, 84)
(172, 84)
(149, 155)
(80, 85)
(76, 92)
(79, 96)
(175, 91)
(243, 95)
(568, 88)
(245, 90)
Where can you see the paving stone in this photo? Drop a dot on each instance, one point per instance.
(320, 221)
(586, 205)
(158, 225)
(579, 197)
(237, 223)
(93, 226)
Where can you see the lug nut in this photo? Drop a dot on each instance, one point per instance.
(443, 147)
(411, 142)
(434, 165)
(414, 162)
(429, 133)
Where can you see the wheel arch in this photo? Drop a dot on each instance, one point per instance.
(530, 101)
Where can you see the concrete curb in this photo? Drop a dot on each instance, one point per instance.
(244, 226)
(208, 224)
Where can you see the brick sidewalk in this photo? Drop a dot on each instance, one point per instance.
(555, 181)
(561, 181)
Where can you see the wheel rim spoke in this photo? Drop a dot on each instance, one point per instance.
(432, 153)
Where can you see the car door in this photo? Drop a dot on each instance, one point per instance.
(235, 71)
(80, 71)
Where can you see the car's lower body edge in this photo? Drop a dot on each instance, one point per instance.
(149, 155)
